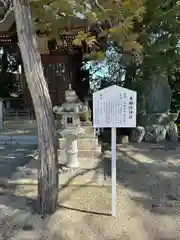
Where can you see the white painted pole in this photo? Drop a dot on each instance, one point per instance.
(113, 170)
(1, 115)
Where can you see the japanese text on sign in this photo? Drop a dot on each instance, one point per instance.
(114, 107)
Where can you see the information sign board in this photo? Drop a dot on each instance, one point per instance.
(114, 107)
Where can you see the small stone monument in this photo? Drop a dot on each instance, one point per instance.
(158, 122)
(159, 99)
(70, 111)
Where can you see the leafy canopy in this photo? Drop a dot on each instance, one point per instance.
(159, 34)
(114, 20)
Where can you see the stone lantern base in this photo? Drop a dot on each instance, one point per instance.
(71, 152)
(87, 146)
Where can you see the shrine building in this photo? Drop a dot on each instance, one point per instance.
(62, 62)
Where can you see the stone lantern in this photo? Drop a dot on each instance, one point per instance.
(71, 130)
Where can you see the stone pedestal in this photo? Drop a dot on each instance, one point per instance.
(71, 130)
(71, 152)
(87, 145)
(156, 127)
(157, 123)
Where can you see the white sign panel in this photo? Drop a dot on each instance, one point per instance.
(114, 107)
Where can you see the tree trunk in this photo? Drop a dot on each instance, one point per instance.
(47, 174)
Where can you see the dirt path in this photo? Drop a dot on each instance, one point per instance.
(148, 195)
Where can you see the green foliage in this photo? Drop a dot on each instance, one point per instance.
(99, 56)
(174, 82)
(111, 20)
(8, 64)
(158, 36)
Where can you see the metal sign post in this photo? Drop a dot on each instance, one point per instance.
(114, 107)
(1, 115)
(113, 170)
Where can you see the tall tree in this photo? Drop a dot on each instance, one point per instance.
(47, 177)
(158, 34)
(113, 19)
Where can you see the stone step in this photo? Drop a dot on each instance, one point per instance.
(19, 124)
(86, 143)
(11, 124)
(89, 130)
(93, 153)
(18, 139)
(25, 139)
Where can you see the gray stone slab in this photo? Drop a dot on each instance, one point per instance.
(12, 157)
(86, 143)
(81, 154)
(18, 139)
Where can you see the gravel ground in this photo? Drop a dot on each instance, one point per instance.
(148, 194)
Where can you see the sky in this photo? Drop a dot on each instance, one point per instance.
(102, 65)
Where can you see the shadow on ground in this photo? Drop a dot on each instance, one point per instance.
(31, 202)
(154, 184)
(151, 175)
(25, 219)
(12, 157)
